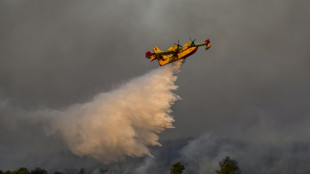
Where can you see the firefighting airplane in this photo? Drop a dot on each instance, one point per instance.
(175, 52)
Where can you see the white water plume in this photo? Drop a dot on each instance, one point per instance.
(123, 122)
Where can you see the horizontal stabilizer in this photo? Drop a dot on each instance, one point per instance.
(208, 46)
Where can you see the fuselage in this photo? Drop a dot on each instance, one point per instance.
(175, 52)
(181, 53)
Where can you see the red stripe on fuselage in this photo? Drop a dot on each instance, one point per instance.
(191, 53)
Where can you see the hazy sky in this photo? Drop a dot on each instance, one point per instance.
(247, 96)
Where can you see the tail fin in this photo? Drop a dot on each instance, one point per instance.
(150, 55)
(208, 44)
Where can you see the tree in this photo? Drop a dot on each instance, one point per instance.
(228, 166)
(38, 171)
(82, 171)
(177, 168)
(7, 172)
(21, 170)
(57, 172)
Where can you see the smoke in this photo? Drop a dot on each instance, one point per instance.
(202, 155)
(261, 64)
(120, 123)
(262, 147)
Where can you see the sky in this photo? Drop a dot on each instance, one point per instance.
(247, 96)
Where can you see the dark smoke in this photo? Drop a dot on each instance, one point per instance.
(249, 94)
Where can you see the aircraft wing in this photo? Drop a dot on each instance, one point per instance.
(161, 53)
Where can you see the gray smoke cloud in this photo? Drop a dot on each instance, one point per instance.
(248, 95)
(263, 147)
(202, 155)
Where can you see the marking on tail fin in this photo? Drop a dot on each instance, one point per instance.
(148, 54)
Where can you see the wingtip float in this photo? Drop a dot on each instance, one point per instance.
(175, 52)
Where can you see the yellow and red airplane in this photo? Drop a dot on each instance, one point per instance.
(175, 52)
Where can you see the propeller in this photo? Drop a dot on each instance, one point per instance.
(178, 44)
(193, 41)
